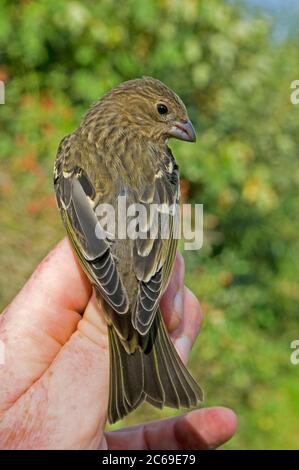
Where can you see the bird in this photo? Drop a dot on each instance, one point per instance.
(120, 149)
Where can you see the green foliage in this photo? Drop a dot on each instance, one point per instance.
(57, 57)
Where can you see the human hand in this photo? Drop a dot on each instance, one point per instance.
(55, 380)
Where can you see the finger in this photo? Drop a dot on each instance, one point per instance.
(72, 395)
(40, 319)
(198, 430)
(57, 283)
(187, 333)
(172, 302)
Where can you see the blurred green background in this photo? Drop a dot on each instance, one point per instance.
(234, 75)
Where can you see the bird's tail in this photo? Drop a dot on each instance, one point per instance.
(155, 374)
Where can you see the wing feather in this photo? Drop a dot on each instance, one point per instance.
(94, 252)
(154, 258)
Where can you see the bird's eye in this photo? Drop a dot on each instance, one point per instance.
(162, 108)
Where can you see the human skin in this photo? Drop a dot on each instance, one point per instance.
(55, 377)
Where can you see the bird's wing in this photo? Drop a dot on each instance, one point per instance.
(74, 194)
(154, 256)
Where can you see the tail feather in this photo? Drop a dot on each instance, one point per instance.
(117, 401)
(154, 374)
(191, 394)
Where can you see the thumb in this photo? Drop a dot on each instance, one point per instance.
(73, 393)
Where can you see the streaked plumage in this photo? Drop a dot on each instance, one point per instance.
(119, 149)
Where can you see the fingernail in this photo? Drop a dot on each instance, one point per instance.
(183, 345)
(178, 304)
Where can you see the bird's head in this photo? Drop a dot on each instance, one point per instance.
(149, 108)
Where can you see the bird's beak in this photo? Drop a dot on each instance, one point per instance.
(183, 130)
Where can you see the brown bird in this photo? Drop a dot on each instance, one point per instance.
(120, 149)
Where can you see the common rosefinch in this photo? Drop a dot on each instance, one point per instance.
(120, 149)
